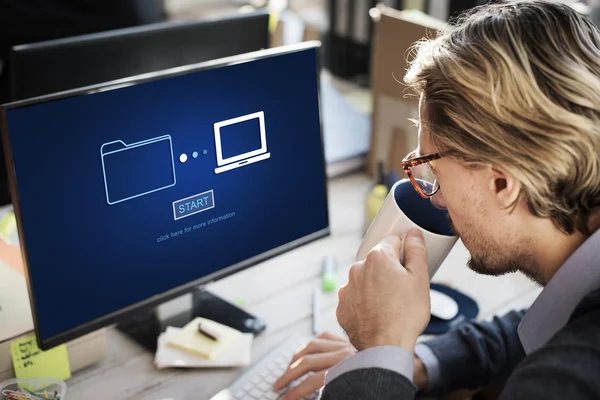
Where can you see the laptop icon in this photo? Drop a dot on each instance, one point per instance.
(240, 141)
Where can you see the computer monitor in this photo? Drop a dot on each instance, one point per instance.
(63, 64)
(120, 204)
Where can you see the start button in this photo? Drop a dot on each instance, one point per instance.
(193, 204)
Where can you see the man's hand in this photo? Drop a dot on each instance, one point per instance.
(385, 303)
(321, 354)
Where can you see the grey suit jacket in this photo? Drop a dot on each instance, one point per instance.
(477, 354)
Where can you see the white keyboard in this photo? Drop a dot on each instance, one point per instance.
(257, 382)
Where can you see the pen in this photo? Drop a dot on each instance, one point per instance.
(315, 312)
(207, 332)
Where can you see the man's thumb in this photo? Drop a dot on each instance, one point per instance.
(415, 253)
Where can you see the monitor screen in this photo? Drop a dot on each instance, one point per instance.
(240, 138)
(120, 202)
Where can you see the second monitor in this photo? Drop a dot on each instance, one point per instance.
(64, 64)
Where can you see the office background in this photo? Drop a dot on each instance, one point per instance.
(285, 283)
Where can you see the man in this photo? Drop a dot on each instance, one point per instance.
(510, 120)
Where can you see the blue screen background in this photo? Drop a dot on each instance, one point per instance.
(240, 138)
(88, 258)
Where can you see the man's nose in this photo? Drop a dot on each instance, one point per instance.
(438, 200)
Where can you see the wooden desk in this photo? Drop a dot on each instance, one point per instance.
(279, 290)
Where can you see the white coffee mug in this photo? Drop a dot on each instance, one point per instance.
(403, 210)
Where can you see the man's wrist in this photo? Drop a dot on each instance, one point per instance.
(405, 341)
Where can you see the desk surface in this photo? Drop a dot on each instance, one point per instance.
(279, 290)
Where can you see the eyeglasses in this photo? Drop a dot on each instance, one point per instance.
(420, 173)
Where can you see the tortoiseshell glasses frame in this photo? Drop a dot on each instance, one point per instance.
(410, 161)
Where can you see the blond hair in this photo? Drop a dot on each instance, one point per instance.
(517, 85)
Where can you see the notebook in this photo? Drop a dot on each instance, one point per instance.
(238, 354)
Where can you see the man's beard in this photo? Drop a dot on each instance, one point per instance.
(525, 265)
(498, 268)
(518, 260)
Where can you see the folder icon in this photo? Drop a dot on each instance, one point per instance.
(137, 169)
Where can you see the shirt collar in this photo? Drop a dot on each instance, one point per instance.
(577, 277)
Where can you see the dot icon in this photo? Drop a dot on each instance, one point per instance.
(195, 154)
(204, 152)
(183, 158)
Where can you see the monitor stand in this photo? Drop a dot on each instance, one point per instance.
(145, 327)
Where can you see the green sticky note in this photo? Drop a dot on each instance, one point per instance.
(31, 362)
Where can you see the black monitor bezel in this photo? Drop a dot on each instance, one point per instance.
(152, 302)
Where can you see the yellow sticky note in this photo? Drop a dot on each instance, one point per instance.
(8, 224)
(190, 340)
(31, 362)
(273, 20)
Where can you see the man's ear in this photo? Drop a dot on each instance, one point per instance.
(504, 187)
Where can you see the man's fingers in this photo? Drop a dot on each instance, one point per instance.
(344, 307)
(319, 345)
(391, 244)
(306, 364)
(299, 368)
(309, 385)
(354, 273)
(331, 336)
(290, 375)
(415, 253)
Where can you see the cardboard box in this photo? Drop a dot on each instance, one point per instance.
(392, 134)
(311, 32)
(276, 32)
(287, 28)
